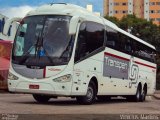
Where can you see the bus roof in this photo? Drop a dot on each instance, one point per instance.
(65, 9)
(74, 10)
(136, 38)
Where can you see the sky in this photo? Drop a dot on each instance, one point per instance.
(19, 8)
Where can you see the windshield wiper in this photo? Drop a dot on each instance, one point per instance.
(38, 44)
(25, 56)
(40, 47)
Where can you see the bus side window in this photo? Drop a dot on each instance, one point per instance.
(128, 46)
(125, 44)
(95, 36)
(112, 38)
(153, 56)
(144, 52)
(90, 38)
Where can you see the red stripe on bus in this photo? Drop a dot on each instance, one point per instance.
(145, 65)
(126, 59)
(44, 72)
(116, 56)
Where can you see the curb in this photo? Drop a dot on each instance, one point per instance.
(157, 92)
(156, 97)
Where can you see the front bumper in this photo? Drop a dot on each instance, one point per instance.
(58, 89)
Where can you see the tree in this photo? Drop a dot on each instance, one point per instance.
(112, 19)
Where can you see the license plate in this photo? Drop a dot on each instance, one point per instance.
(33, 86)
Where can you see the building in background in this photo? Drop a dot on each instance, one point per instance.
(89, 7)
(97, 13)
(147, 9)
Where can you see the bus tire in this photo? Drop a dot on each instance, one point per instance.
(136, 97)
(41, 98)
(90, 96)
(143, 94)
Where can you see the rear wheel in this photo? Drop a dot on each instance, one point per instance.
(90, 96)
(143, 94)
(41, 98)
(136, 97)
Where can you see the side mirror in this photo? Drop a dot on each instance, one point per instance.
(8, 23)
(73, 24)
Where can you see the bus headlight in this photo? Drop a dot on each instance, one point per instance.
(65, 78)
(12, 77)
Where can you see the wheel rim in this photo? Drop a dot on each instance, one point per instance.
(138, 95)
(89, 94)
(143, 95)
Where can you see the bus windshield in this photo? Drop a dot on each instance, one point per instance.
(43, 41)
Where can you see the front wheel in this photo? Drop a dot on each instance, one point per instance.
(41, 98)
(90, 96)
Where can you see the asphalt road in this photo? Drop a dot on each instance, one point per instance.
(25, 104)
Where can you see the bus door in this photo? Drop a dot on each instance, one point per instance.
(79, 65)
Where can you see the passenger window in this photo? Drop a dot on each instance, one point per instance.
(90, 38)
(95, 36)
(118, 41)
(112, 38)
(123, 43)
(144, 52)
(128, 46)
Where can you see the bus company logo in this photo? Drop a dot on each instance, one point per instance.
(134, 71)
(54, 69)
(115, 66)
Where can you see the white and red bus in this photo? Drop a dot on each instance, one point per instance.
(64, 50)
